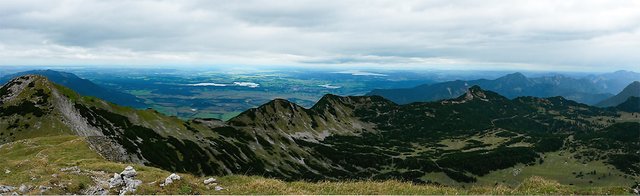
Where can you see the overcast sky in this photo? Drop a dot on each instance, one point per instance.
(503, 34)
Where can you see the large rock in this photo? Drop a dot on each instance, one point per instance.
(74, 169)
(129, 172)
(116, 181)
(43, 189)
(125, 179)
(24, 189)
(95, 190)
(209, 181)
(130, 185)
(6, 189)
(170, 179)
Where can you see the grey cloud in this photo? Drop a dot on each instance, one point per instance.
(597, 34)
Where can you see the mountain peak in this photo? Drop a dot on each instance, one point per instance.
(327, 100)
(516, 75)
(24, 87)
(475, 88)
(475, 92)
(82, 86)
(622, 72)
(632, 89)
(281, 102)
(27, 78)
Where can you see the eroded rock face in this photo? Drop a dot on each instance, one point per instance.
(112, 151)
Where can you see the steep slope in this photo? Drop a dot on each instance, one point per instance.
(511, 86)
(28, 110)
(632, 90)
(32, 106)
(84, 87)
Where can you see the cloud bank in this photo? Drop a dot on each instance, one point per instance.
(438, 34)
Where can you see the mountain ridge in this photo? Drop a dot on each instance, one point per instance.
(511, 85)
(356, 137)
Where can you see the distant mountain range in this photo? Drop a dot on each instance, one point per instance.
(632, 90)
(83, 86)
(590, 90)
(478, 137)
(613, 82)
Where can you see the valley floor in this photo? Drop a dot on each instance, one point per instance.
(66, 165)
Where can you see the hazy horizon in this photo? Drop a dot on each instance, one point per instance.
(270, 68)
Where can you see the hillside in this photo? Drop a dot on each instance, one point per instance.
(511, 86)
(480, 138)
(632, 90)
(74, 168)
(632, 104)
(83, 87)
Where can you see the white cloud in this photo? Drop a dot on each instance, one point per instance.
(208, 84)
(519, 34)
(329, 86)
(247, 84)
(360, 73)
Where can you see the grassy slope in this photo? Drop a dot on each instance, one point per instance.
(34, 161)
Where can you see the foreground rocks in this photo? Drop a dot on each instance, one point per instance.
(24, 188)
(170, 179)
(6, 189)
(210, 181)
(104, 183)
(125, 180)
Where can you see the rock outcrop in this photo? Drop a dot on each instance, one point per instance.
(170, 179)
(210, 181)
(125, 180)
(6, 189)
